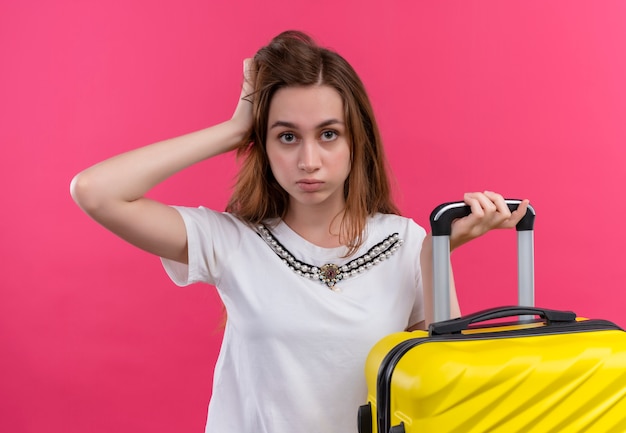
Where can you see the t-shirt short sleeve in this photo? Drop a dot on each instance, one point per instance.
(417, 313)
(211, 237)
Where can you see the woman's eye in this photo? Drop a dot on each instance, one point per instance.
(287, 138)
(329, 135)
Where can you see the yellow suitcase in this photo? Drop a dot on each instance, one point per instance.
(552, 374)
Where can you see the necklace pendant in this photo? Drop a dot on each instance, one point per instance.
(330, 274)
(329, 271)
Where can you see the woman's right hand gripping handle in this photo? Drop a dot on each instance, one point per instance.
(113, 191)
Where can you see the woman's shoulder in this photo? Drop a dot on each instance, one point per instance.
(204, 216)
(394, 222)
(382, 225)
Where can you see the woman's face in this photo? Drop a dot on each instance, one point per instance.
(307, 145)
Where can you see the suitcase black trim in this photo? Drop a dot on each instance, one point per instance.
(387, 366)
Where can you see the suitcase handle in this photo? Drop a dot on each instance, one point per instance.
(456, 326)
(443, 215)
(441, 219)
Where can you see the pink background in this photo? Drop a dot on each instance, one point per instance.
(527, 98)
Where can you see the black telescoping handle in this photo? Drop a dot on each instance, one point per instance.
(443, 215)
(441, 220)
(455, 326)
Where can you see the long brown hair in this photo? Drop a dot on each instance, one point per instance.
(293, 59)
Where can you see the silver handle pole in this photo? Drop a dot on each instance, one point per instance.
(525, 268)
(441, 278)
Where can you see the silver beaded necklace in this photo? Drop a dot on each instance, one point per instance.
(330, 274)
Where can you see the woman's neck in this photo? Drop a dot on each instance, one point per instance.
(321, 228)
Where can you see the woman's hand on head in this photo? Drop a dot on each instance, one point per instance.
(489, 211)
(243, 112)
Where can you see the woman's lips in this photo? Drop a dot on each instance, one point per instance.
(309, 185)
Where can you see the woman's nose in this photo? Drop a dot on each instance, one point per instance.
(309, 156)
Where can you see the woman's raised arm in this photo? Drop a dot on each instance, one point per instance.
(112, 191)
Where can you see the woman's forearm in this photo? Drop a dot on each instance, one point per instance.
(129, 176)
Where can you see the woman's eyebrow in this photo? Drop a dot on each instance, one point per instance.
(330, 122)
(282, 123)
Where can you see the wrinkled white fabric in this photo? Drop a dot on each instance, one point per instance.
(293, 354)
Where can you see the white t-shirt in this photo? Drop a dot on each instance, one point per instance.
(293, 354)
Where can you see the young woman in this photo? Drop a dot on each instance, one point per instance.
(311, 259)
